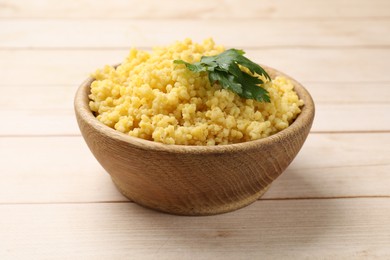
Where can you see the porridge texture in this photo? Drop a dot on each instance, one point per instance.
(150, 97)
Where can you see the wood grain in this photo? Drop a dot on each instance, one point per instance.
(316, 229)
(201, 9)
(355, 117)
(338, 49)
(337, 109)
(326, 167)
(144, 33)
(69, 171)
(71, 67)
(60, 121)
(60, 96)
(361, 93)
(331, 118)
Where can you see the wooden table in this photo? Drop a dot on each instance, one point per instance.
(332, 202)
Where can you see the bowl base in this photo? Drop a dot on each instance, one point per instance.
(201, 211)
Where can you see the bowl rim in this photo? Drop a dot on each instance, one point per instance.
(84, 113)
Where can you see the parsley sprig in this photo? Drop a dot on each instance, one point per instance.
(224, 69)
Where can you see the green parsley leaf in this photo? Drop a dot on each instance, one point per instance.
(225, 69)
(226, 80)
(196, 67)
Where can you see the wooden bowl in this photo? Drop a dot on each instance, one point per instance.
(193, 180)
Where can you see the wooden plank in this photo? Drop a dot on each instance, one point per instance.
(31, 122)
(60, 96)
(53, 169)
(356, 117)
(54, 67)
(71, 67)
(98, 33)
(62, 169)
(48, 110)
(349, 92)
(334, 182)
(202, 9)
(46, 120)
(38, 110)
(315, 229)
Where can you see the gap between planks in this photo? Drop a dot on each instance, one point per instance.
(259, 200)
(79, 135)
(306, 65)
(184, 19)
(71, 173)
(148, 48)
(324, 229)
(202, 9)
(62, 33)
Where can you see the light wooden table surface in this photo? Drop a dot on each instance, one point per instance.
(332, 202)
